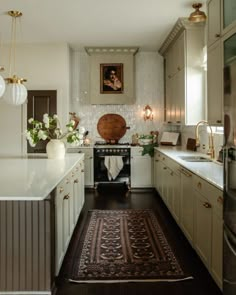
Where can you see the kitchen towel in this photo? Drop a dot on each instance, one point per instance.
(113, 164)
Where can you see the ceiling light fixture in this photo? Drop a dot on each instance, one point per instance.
(198, 15)
(16, 92)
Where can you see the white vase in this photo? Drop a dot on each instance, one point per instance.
(55, 149)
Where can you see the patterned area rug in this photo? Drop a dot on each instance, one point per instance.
(124, 246)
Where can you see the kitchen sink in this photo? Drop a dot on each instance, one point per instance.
(195, 159)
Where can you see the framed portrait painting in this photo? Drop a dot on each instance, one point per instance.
(111, 78)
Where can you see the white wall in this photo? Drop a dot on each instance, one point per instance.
(46, 67)
(149, 90)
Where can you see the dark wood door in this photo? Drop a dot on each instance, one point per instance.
(39, 103)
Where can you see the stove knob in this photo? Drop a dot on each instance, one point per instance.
(98, 150)
(114, 151)
(103, 150)
(118, 150)
(110, 150)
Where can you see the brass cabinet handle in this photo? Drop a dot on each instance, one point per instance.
(156, 160)
(186, 173)
(220, 200)
(164, 168)
(163, 158)
(199, 185)
(67, 180)
(72, 174)
(76, 180)
(66, 197)
(61, 189)
(82, 170)
(171, 173)
(169, 122)
(207, 205)
(178, 121)
(217, 35)
(218, 121)
(90, 157)
(178, 68)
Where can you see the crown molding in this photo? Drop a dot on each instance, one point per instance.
(182, 24)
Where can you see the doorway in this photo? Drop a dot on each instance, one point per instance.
(39, 103)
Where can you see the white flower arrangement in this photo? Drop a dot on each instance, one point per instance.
(50, 128)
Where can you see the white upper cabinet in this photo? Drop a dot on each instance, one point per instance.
(213, 21)
(184, 73)
(215, 84)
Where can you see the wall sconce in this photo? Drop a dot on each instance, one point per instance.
(147, 113)
(16, 92)
(198, 15)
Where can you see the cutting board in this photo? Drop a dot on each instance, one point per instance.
(112, 127)
(169, 138)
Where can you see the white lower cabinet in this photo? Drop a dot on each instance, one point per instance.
(186, 204)
(69, 199)
(209, 223)
(197, 207)
(88, 164)
(141, 169)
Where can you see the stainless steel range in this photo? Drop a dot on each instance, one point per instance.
(102, 152)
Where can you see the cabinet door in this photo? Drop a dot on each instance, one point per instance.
(213, 21)
(202, 227)
(158, 175)
(88, 169)
(141, 171)
(229, 14)
(186, 204)
(214, 87)
(62, 207)
(217, 248)
(175, 180)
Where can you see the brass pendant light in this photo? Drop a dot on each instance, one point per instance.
(16, 92)
(197, 16)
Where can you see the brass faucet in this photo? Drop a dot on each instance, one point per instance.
(211, 150)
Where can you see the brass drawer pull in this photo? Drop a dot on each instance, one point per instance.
(185, 173)
(67, 181)
(61, 189)
(164, 168)
(199, 185)
(72, 174)
(220, 200)
(66, 197)
(76, 181)
(82, 170)
(207, 205)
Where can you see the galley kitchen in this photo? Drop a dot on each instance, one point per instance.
(117, 147)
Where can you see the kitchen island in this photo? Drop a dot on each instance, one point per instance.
(40, 202)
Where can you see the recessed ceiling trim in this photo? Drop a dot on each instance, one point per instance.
(110, 50)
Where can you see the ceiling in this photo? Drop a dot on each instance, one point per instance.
(80, 23)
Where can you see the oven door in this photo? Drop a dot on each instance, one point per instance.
(101, 173)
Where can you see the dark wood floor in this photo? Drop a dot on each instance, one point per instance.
(115, 198)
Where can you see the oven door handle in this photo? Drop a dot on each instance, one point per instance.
(108, 156)
(228, 237)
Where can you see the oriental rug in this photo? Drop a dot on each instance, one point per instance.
(124, 246)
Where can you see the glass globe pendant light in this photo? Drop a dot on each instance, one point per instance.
(16, 92)
(2, 83)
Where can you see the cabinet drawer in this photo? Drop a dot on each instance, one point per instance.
(212, 193)
(136, 151)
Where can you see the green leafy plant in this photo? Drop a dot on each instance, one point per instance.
(50, 128)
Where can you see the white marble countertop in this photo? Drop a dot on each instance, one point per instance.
(32, 177)
(210, 171)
